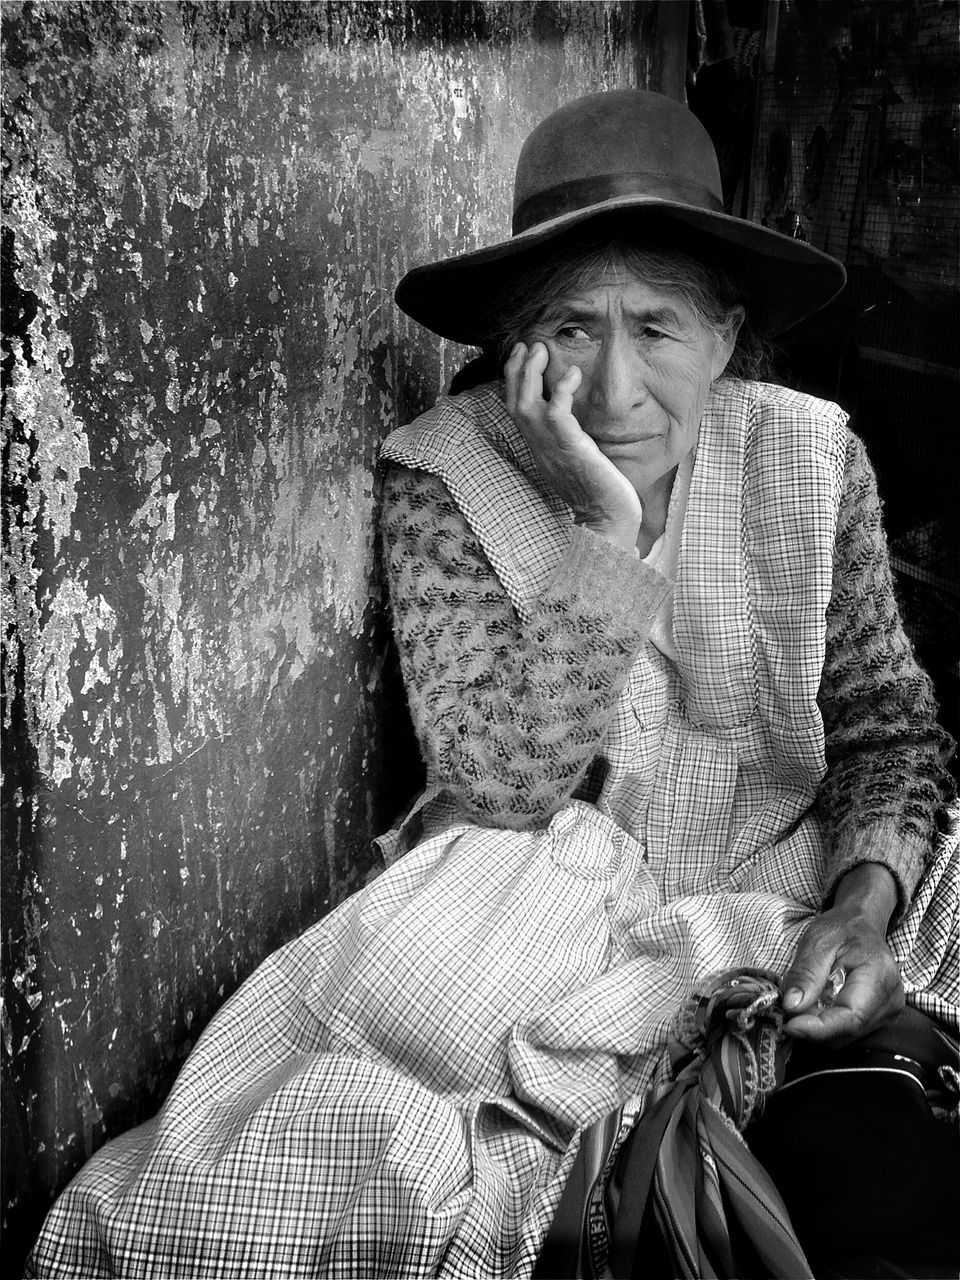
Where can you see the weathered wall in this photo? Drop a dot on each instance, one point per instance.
(208, 208)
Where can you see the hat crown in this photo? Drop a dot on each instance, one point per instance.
(628, 142)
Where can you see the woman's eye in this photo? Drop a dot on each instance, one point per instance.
(573, 333)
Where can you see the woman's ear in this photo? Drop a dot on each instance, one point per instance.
(726, 341)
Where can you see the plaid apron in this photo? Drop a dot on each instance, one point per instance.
(401, 1090)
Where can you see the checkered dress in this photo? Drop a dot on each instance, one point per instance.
(401, 1090)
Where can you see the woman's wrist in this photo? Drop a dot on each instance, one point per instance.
(623, 533)
(868, 889)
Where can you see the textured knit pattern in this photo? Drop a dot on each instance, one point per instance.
(510, 715)
(887, 779)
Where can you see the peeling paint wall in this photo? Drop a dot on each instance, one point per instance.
(208, 207)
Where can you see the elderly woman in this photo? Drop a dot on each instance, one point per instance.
(672, 730)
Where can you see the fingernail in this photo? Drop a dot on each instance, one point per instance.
(792, 998)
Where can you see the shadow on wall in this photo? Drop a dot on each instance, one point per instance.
(208, 209)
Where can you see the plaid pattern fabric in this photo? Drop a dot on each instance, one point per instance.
(401, 1090)
(734, 725)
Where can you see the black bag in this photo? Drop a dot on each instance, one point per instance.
(863, 1145)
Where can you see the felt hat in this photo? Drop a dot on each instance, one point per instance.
(639, 158)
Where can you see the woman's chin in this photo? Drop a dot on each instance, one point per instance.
(645, 471)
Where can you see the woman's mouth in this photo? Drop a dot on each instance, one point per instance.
(630, 443)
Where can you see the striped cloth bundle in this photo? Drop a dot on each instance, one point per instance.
(717, 1210)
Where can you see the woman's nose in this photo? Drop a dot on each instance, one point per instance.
(616, 383)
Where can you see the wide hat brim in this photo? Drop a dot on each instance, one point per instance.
(785, 280)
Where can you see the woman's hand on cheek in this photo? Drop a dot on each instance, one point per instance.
(600, 496)
(849, 936)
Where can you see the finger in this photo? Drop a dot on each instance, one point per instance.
(511, 374)
(872, 995)
(815, 959)
(530, 402)
(874, 991)
(838, 1025)
(561, 402)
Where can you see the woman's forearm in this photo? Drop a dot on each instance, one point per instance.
(509, 713)
(869, 890)
(886, 777)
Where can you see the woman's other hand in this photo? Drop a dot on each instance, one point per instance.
(850, 935)
(599, 495)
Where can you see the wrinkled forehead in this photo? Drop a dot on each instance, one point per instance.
(617, 290)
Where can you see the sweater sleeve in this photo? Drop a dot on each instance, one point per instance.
(509, 713)
(886, 780)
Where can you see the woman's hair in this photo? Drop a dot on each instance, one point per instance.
(711, 293)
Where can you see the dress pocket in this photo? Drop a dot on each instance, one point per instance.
(704, 782)
(586, 843)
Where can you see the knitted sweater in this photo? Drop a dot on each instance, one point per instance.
(511, 714)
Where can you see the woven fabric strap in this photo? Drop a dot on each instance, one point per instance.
(717, 1210)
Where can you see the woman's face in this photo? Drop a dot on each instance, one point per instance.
(646, 362)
